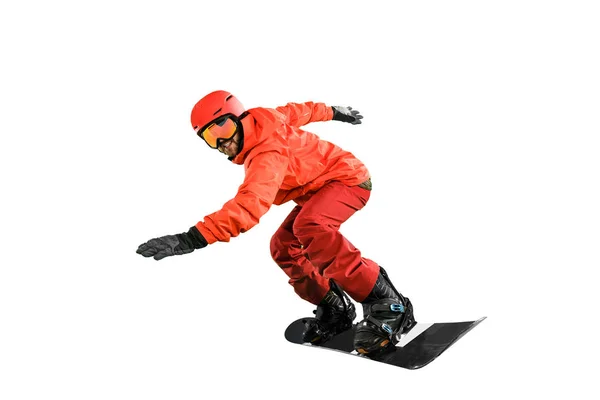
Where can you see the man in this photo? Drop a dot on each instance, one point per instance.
(283, 162)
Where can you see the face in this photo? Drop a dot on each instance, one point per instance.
(230, 147)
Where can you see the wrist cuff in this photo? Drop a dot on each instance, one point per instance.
(196, 238)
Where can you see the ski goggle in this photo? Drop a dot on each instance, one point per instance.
(222, 128)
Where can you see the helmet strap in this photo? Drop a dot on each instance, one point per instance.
(240, 132)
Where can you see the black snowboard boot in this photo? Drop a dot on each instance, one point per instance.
(334, 314)
(387, 314)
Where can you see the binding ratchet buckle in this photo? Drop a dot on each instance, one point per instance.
(397, 308)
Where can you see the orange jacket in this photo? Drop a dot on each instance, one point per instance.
(282, 162)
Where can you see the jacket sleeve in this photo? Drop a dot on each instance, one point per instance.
(300, 114)
(264, 175)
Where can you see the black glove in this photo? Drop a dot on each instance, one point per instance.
(173, 245)
(346, 114)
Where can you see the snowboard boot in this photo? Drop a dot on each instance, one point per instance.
(334, 314)
(387, 314)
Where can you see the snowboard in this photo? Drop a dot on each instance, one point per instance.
(417, 348)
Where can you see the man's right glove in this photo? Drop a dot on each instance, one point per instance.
(346, 114)
(173, 245)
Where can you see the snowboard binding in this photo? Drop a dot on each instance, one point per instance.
(334, 315)
(387, 315)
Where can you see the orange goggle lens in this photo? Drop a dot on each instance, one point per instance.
(221, 129)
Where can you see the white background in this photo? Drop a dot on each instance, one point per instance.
(481, 132)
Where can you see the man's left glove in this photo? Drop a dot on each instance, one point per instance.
(346, 114)
(173, 245)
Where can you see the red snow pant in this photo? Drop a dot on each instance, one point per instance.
(310, 249)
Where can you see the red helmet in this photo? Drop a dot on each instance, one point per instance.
(214, 105)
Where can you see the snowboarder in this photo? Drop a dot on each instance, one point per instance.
(328, 184)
